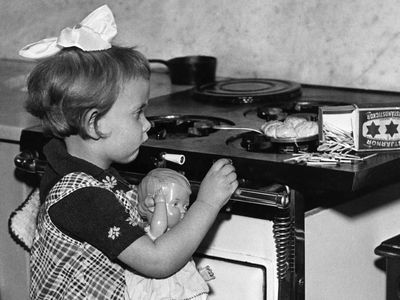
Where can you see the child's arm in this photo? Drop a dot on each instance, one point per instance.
(174, 248)
(159, 222)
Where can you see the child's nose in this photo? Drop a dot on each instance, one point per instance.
(146, 124)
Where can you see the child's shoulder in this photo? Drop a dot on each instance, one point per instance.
(79, 179)
(104, 184)
(72, 182)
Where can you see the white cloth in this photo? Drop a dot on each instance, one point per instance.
(94, 33)
(187, 283)
(22, 221)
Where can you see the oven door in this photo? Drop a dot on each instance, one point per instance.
(241, 252)
(234, 280)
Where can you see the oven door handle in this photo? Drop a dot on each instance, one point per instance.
(29, 162)
(278, 198)
(275, 195)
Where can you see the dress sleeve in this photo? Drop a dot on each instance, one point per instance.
(95, 216)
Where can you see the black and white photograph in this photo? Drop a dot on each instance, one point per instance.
(182, 149)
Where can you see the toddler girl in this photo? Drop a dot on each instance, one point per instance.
(163, 197)
(90, 96)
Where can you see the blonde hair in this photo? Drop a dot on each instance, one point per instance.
(65, 86)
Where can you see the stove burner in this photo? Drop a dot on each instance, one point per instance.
(271, 114)
(296, 145)
(253, 142)
(248, 90)
(279, 110)
(183, 126)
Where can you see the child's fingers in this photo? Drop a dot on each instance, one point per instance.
(228, 169)
(231, 180)
(159, 196)
(220, 163)
(234, 185)
(231, 177)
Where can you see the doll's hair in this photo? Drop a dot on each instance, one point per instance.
(151, 183)
(64, 87)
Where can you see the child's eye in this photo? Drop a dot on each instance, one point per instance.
(138, 114)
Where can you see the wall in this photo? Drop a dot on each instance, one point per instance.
(13, 259)
(341, 43)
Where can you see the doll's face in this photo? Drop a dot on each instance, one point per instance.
(177, 201)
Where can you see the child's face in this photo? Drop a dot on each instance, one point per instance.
(177, 201)
(125, 124)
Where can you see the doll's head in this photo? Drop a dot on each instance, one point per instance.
(174, 187)
(64, 87)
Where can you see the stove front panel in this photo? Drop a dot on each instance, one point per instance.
(241, 252)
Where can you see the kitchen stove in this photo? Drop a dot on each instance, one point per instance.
(252, 247)
(256, 247)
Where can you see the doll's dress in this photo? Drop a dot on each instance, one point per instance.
(187, 283)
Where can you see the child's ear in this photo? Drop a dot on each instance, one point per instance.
(90, 118)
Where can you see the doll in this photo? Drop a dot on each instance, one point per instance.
(163, 199)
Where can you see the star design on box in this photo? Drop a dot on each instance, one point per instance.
(391, 129)
(373, 129)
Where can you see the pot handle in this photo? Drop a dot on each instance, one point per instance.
(161, 61)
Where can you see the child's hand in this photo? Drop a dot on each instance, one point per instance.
(218, 184)
(159, 218)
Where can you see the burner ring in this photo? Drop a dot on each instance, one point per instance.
(253, 142)
(248, 90)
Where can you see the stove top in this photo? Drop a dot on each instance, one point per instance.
(265, 166)
(179, 120)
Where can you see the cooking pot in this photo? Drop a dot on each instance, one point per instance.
(197, 69)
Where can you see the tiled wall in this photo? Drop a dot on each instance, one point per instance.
(341, 43)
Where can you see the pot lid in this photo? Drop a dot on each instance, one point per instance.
(248, 90)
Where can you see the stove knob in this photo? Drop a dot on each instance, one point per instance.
(175, 158)
(29, 162)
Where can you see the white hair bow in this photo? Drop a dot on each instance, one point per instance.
(94, 33)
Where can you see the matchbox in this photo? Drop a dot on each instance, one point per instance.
(371, 127)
